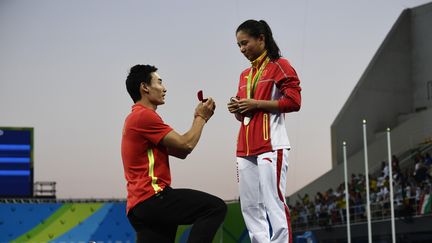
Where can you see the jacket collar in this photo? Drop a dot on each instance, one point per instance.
(257, 62)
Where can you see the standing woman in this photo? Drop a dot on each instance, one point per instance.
(266, 91)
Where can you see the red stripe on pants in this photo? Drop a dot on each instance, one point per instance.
(278, 171)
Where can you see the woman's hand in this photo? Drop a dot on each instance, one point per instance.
(247, 106)
(233, 105)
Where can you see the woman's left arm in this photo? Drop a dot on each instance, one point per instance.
(288, 83)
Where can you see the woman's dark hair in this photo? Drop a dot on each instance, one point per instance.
(138, 74)
(255, 29)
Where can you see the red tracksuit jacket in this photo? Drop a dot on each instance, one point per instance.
(266, 131)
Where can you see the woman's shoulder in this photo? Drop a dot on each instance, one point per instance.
(281, 61)
(283, 64)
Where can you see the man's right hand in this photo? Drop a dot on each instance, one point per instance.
(181, 145)
(205, 109)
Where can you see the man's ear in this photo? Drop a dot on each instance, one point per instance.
(144, 87)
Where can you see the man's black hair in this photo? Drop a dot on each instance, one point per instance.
(138, 74)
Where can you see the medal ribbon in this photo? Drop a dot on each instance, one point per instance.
(249, 89)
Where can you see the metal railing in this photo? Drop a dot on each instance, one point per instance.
(46, 189)
(302, 221)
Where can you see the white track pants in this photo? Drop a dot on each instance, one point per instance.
(262, 181)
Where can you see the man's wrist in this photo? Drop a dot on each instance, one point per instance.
(201, 116)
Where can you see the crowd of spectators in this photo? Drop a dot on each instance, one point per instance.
(328, 208)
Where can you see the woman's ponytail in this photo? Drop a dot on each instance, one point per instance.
(270, 44)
